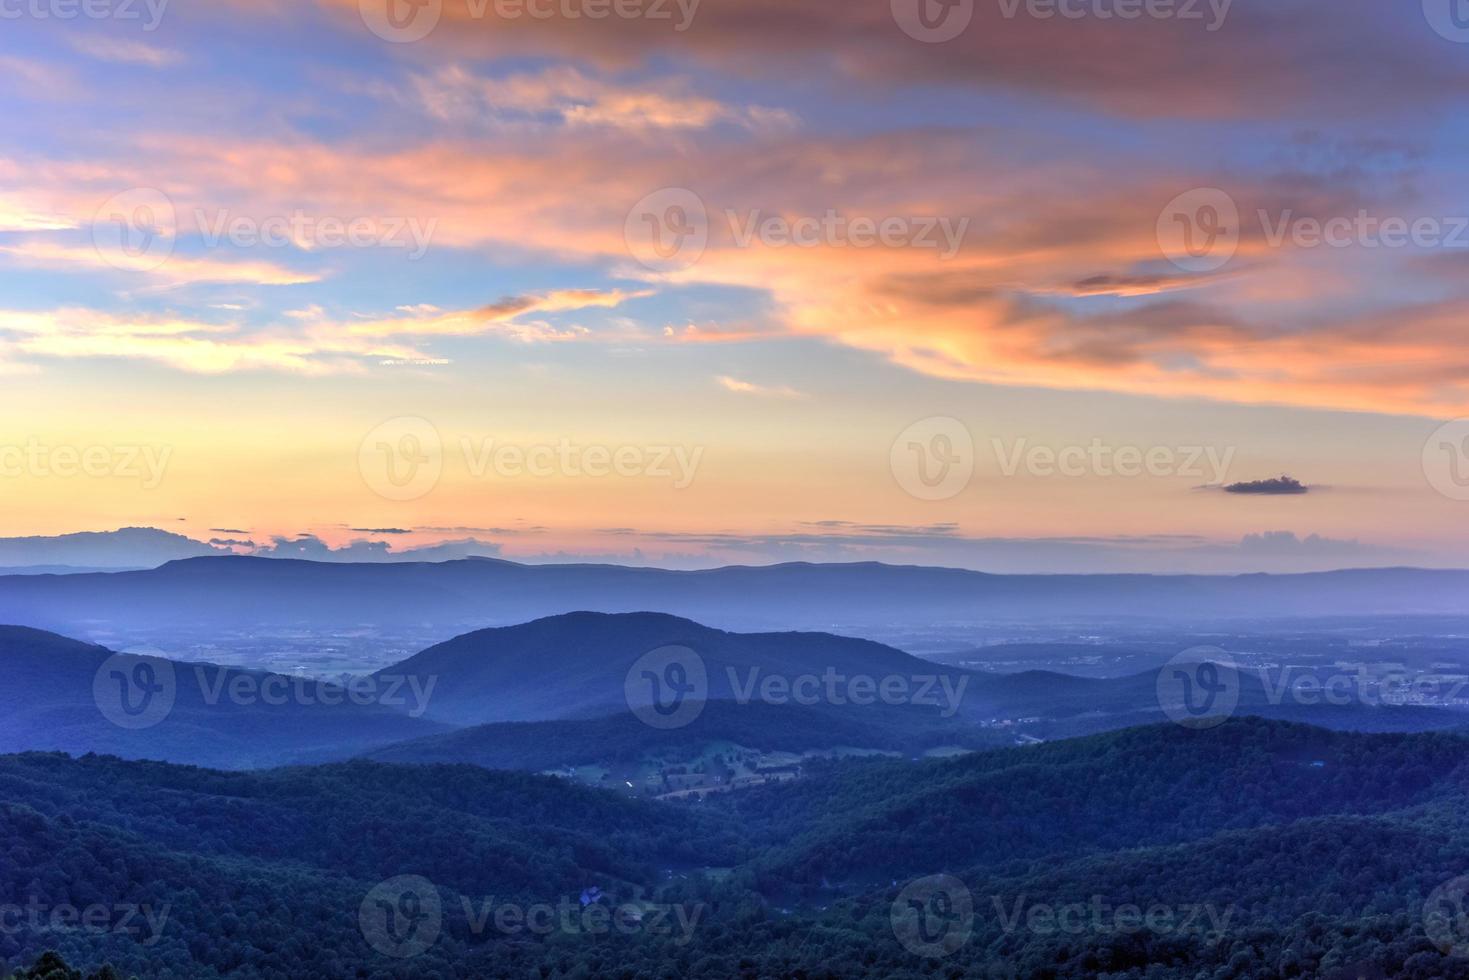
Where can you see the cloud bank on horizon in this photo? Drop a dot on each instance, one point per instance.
(827, 541)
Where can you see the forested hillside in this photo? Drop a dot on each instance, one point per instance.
(1257, 849)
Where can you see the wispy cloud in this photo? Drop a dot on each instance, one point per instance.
(177, 270)
(763, 391)
(569, 97)
(312, 342)
(125, 52)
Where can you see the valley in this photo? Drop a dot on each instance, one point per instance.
(639, 792)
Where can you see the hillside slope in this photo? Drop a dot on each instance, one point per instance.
(62, 695)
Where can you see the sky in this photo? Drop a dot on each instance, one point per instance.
(1017, 285)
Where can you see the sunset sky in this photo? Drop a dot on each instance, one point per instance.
(177, 281)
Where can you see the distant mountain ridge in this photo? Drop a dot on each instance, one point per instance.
(215, 716)
(239, 592)
(585, 679)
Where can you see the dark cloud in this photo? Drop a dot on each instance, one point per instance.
(1242, 59)
(1283, 486)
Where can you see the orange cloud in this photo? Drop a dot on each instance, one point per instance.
(1004, 309)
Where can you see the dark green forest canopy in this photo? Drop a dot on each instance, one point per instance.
(1304, 853)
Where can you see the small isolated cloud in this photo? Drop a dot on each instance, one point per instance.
(741, 387)
(381, 530)
(1284, 486)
